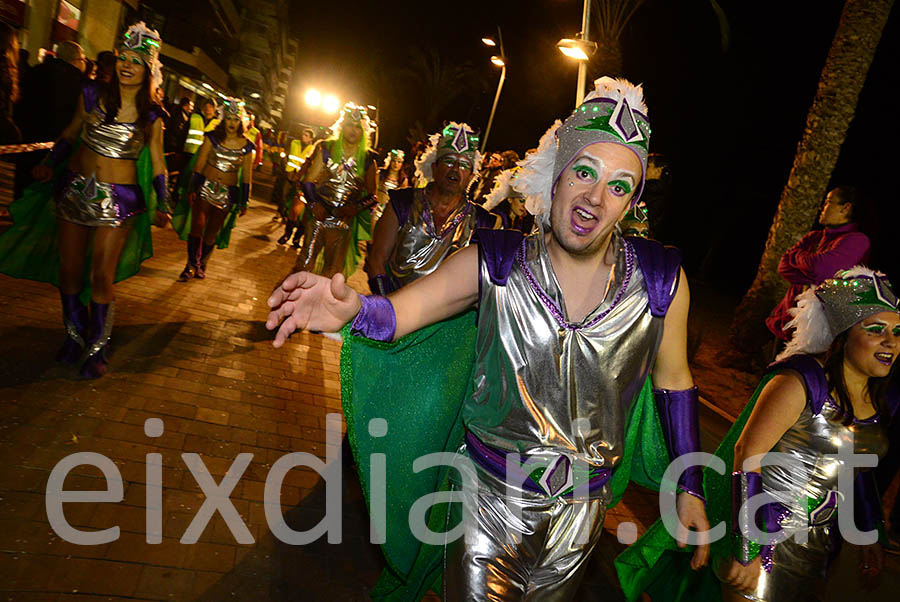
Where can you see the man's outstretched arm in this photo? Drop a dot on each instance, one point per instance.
(307, 301)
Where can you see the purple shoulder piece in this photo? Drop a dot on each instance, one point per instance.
(497, 249)
(91, 90)
(401, 200)
(249, 148)
(156, 112)
(661, 267)
(893, 400)
(484, 218)
(813, 378)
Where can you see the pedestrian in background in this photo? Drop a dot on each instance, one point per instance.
(9, 84)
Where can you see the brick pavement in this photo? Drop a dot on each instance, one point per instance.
(197, 356)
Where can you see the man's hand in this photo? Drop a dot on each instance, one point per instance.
(740, 577)
(692, 514)
(871, 563)
(311, 302)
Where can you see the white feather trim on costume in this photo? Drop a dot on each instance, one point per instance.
(607, 87)
(812, 333)
(535, 178)
(502, 190)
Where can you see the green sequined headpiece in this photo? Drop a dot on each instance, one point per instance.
(147, 44)
(455, 138)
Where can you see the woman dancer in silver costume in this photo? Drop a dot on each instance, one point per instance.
(214, 189)
(829, 391)
(98, 195)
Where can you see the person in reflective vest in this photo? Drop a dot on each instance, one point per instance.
(205, 121)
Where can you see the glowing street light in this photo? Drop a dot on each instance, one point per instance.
(313, 98)
(498, 61)
(254, 95)
(580, 49)
(489, 42)
(330, 104)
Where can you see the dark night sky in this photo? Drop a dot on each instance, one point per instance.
(729, 122)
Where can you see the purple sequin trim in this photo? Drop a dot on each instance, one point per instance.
(448, 227)
(554, 309)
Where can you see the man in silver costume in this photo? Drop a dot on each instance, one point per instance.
(340, 183)
(572, 321)
(426, 225)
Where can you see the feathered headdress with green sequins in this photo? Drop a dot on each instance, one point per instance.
(825, 311)
(147, 44)
(455, 138)
(614, 111)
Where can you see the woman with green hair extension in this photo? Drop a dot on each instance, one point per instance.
(339, 187)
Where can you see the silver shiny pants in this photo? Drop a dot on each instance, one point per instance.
(515, 549)
(331, 238)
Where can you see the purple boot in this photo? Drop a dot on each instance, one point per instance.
(193, 263)
(98, 344)
(75, 317)
(205, 251)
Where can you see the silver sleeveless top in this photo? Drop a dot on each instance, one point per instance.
(114, 140)
(546, 388)
(420, 248)
(226, 160)
(809, 442)
(336, 189)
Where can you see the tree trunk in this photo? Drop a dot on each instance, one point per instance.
(832, 110)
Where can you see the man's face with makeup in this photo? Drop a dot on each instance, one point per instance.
(592, 194)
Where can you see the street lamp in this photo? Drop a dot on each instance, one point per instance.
(580, 49)
(313, 98)
(499, 61)
(330, 104)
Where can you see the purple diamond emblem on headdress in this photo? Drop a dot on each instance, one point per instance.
(133, 40)
(460, 142)
(557, 477)
(623, 122)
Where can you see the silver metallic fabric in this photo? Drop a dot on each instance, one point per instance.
(337, 189)
(333, 242)
(105, 335)
(798, 570)
(545, 387)
(89, 202)
(384, 186)
(216, 194)
(513, 549)
(226, 160)
(114, 140)
(420, 249)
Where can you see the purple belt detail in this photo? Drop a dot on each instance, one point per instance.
(493, 460)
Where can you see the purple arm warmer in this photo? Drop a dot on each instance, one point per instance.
(161, 186)
(58, 153)
(376, 319)
(197, 180)
(681, 429)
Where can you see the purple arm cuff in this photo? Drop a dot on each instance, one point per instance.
(161, 186)
(867, 503)
(381, 284)
(681, 429)
(197, 180)
(58, 153)
(309, 192)
(376, 319)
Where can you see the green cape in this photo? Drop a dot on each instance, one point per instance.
(418, 384)
(30, 248)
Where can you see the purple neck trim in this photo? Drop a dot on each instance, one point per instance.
(448, 226)
(551, 305)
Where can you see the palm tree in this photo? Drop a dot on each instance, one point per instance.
(610, 19)
(832, 110)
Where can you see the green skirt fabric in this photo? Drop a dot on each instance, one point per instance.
(30, 248)
(654, 563)
(181, 216)
(418, 384)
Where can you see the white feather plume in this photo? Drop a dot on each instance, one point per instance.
(812, 333)
(535, 178)
(502, 190)
(608, 87)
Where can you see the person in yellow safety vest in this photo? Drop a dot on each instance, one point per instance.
(301, 149)
(255, 137)
(205, 121)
